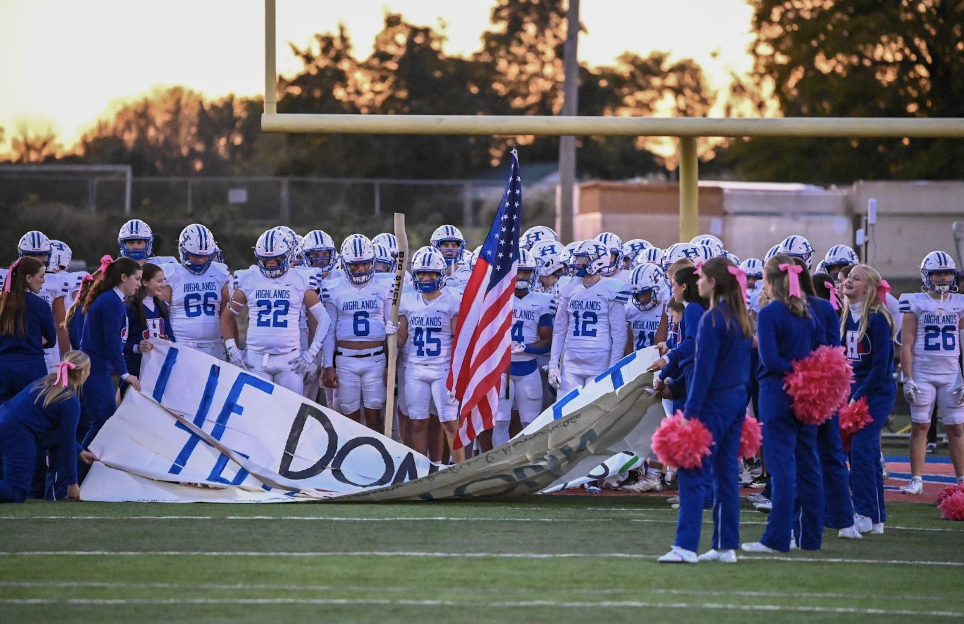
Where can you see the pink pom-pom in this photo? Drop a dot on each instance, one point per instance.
(751, 437)
(952, 507)
(853, 418)
(819, 384)
(950, 490)
(682, 442)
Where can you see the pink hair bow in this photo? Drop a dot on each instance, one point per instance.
(698, 265)
(62, 373)
(882, 290)
(834, 296)
(793, 272)
(105, 262)
(6, 283)
(740, 276)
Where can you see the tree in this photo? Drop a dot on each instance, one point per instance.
(33, 145)
(903, 58)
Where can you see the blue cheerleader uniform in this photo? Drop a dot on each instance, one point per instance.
(22, 357)
(105, 331)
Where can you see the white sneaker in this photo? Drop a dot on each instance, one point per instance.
(765, 506)
(793, 545)
(723, 556)
(650, 483)
(757, 547)
(679, 555)
(673, 500)
(863, 523)
(877, 528)
(883, 465)
(756, 497)
(916, 486)
(850, 532)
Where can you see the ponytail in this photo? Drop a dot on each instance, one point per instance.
(779, 273)
(13, 299)
(110, 276)
(66, 382)
(728, 291)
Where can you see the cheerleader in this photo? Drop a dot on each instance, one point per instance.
(867, 334)
(716, 396)
(838, 507)
(787, 331)
(75, 313)
(147, 317)
(105, 331)
(26, 326)
(43, 414)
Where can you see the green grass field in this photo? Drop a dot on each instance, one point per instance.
(541, 559)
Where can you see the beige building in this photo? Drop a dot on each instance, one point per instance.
(913, 218)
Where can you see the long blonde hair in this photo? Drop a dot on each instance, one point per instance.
(52, 392)
(779, 282)
(872, 303)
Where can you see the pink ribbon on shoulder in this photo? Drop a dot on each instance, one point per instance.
(882, 291)
(834, 296)
(740, 276)
(63, 373)
(6, 282)
(793, 272)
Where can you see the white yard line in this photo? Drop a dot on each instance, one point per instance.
(333, 588)
(466, 555)
(460, 603)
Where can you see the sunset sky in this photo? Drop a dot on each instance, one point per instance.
(65, 62)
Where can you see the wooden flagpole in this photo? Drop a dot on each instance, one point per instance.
(402, 239)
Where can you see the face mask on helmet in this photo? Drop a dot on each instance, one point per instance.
(942, 282)
(645, 299)
(525, 279)
(580, 265)
(451, 250)
(319, 259)
(427, 281)
(273, 266)
(195, 263)
(360, 272)
(137, 248)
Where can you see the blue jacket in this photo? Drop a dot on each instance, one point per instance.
(54, 425)
(871, 358)
(105, 330)
(783, 339)
(722, 359)
(38, 326)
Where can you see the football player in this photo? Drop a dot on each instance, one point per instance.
(136, 241)
(589, 332)
(36, 245)
(931, 362)
(197, 292)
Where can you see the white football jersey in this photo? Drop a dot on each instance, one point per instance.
(55, 286)
(162, 260)
(74, 280)
(315, 277)
(623, 275)
(429, 328)
(643, 324)
(3, 277)
(360, 312)
(555, 288)
(196, 301)
(527, 314)
(588, 311)
(274, 307)
(936, 348)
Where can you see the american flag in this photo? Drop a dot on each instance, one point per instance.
(480, 353)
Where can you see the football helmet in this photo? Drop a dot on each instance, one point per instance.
(60, 256)
(136, 230)
(615, 246)
(358, 258)
(589, 258)
(35, 243)
(797, 247)
(527, 262)
(650, 255)
(449, 234)
(196, 240)
(731, 257)
(773, 251)
(937, 262)
(708, 240)
(389, 241)
(538, 234)
(753, 268)
(646, 278)
(631, 249)
(273, 245)
(839, 256)
(385, 262)
(681, 251)
(428, 260)
(319, 251)
(548, 256)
